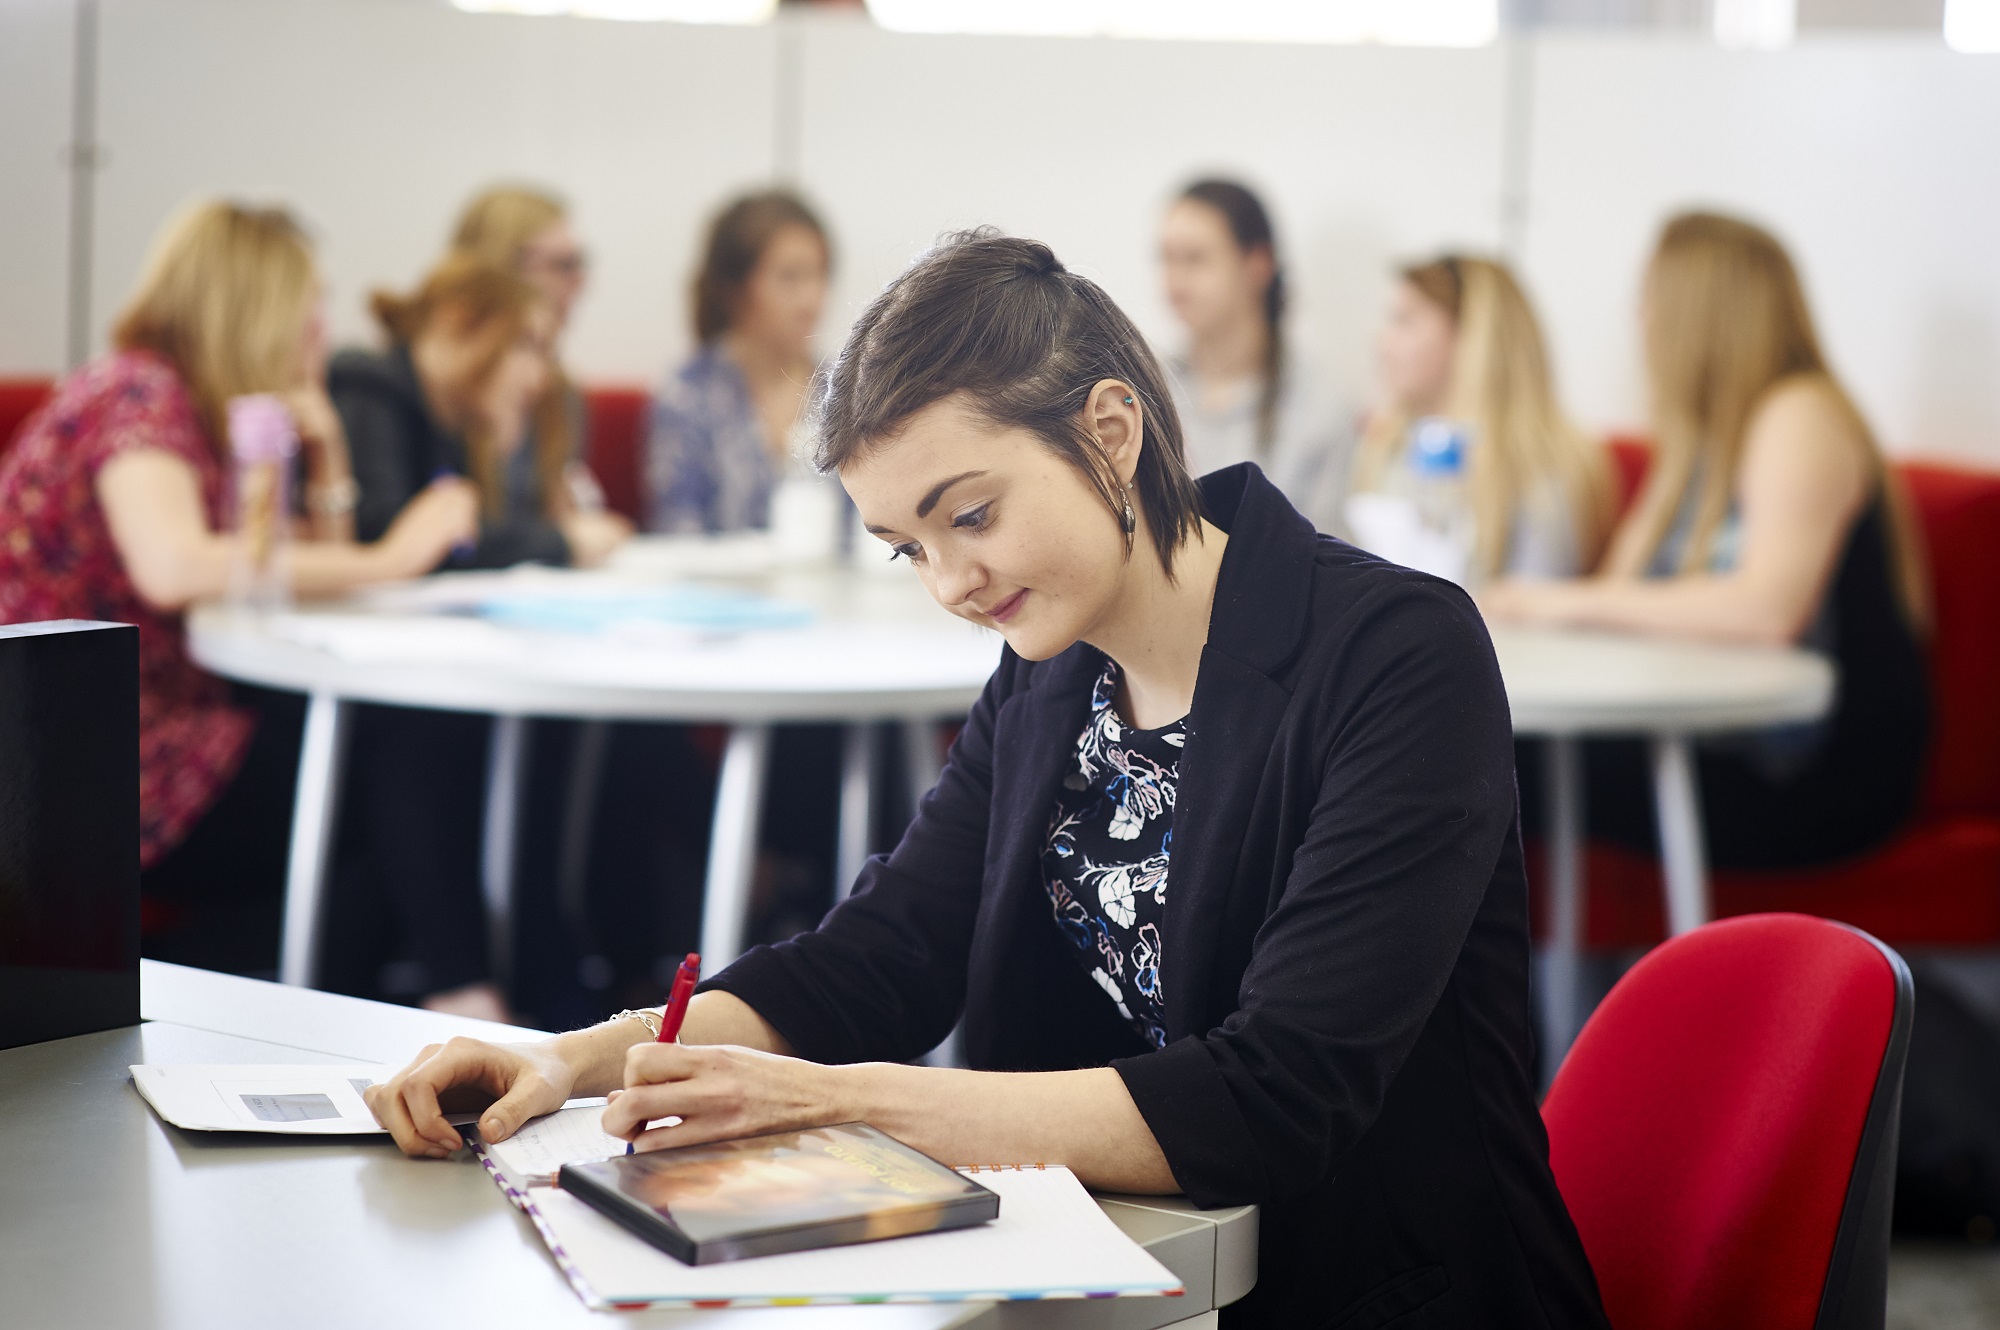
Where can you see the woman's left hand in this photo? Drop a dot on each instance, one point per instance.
(718, 1091)
(1513, 600)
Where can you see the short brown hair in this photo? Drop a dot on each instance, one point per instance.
(1000, 320)
(737, 239)
(226, 297)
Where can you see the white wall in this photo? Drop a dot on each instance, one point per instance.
(1875, 157)
(1877, 160)
(35, 65)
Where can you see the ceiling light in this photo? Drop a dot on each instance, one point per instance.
(1399, 22)
(1972, 26)
(1755, 25)
(668, 11)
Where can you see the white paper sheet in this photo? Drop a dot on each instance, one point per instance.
(295, 1101)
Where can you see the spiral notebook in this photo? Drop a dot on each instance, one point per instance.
(1050, 1241)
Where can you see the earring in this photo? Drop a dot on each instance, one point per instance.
(1129, 519)
(1128, 399)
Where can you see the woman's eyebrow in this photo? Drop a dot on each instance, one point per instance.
(930, 500)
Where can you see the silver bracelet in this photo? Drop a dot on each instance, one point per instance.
(335, 499)
(650, 1017)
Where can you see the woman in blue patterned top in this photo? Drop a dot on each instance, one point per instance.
(723, 424)
(1223, 875)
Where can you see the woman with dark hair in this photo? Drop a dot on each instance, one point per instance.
(723, 425)
(1241, 394)
(1222, 874)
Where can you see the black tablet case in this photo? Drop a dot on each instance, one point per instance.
(69, 829)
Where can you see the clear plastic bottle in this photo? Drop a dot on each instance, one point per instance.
(262, 441)
(1438, 448)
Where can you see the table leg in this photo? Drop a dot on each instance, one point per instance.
(857, 808)
(1682, 857)
(732, 845)
(920, 758)
(1562, 1002)
(314, 809)
(506, 759)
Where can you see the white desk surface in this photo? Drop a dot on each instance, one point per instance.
(876, 647)
(1566, 682)
(113, 1219)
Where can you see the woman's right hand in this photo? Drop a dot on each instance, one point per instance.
(506, 1083)
(445, 515)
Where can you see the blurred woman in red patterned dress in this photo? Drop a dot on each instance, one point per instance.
(113, 505)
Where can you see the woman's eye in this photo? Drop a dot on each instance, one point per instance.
(971, 520)
(908, 550)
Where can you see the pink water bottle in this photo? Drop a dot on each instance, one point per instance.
(263, 441)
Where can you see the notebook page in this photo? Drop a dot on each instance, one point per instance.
(1050, 1241)
(566, 1136)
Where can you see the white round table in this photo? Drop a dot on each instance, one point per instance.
(866, 647)
(1566, 685)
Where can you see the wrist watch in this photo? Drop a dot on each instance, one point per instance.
(335, 498)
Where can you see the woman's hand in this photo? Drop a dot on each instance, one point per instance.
(1542, 604)
(446, 514)
(718, 1091)
(509, 1083)
(593, 536)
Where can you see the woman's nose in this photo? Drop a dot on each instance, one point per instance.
(956, 581)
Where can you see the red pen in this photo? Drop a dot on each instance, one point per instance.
(685, 979)
(678, 997)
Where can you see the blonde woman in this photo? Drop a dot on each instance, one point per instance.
(114, 505)
(1769, 517)
(1462, 343)
(529, 231)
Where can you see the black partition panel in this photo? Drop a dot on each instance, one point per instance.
(69, 829)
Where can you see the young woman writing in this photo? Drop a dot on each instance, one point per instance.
(1769, 516)
(1221, 874)
(1462, 342)
(114, 504)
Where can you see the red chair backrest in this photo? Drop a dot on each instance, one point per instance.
(617, 447)
(1706, 1125)
(1958, 513)
(19, 399)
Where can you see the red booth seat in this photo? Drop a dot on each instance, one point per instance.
(19, 399)
(1938, 881)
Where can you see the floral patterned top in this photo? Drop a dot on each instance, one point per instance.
(706, 458)
(57, 561)
(1105, 860)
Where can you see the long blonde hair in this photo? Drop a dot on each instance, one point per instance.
(1727, 324)
(485, 302)
(225, 297)
(496, 228)
(1525, 450)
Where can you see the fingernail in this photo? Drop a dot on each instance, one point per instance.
(491, 1127)
(437, 1152)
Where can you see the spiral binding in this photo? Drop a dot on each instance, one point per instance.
(998, 1168)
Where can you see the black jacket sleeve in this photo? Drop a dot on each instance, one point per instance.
(383, 443)
(1415, 802)
(883, 977)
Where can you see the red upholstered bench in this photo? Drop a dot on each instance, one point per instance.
(19, 399)
(1938, 882)
(617, 447)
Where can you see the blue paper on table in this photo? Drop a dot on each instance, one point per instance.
(715, 608)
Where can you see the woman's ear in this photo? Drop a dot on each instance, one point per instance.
(1116, 419)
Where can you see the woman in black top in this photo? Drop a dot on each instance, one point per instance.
(1321, 1006)
(1769, 516)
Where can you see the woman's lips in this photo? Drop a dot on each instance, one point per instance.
(1008, 608)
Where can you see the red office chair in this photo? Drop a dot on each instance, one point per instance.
(1724, 1129)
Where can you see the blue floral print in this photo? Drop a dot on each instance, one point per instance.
(1105, 860)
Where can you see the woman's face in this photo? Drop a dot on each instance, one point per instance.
(313, 340)
(1001, 530)
(1211, 281)
(554, 264)
(518, 379)
(1414, 352)
(782, 298)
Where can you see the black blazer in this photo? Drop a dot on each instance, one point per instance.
(398, 447)
(1345, 948)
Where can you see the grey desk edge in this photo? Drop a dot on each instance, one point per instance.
(1214, 1252)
